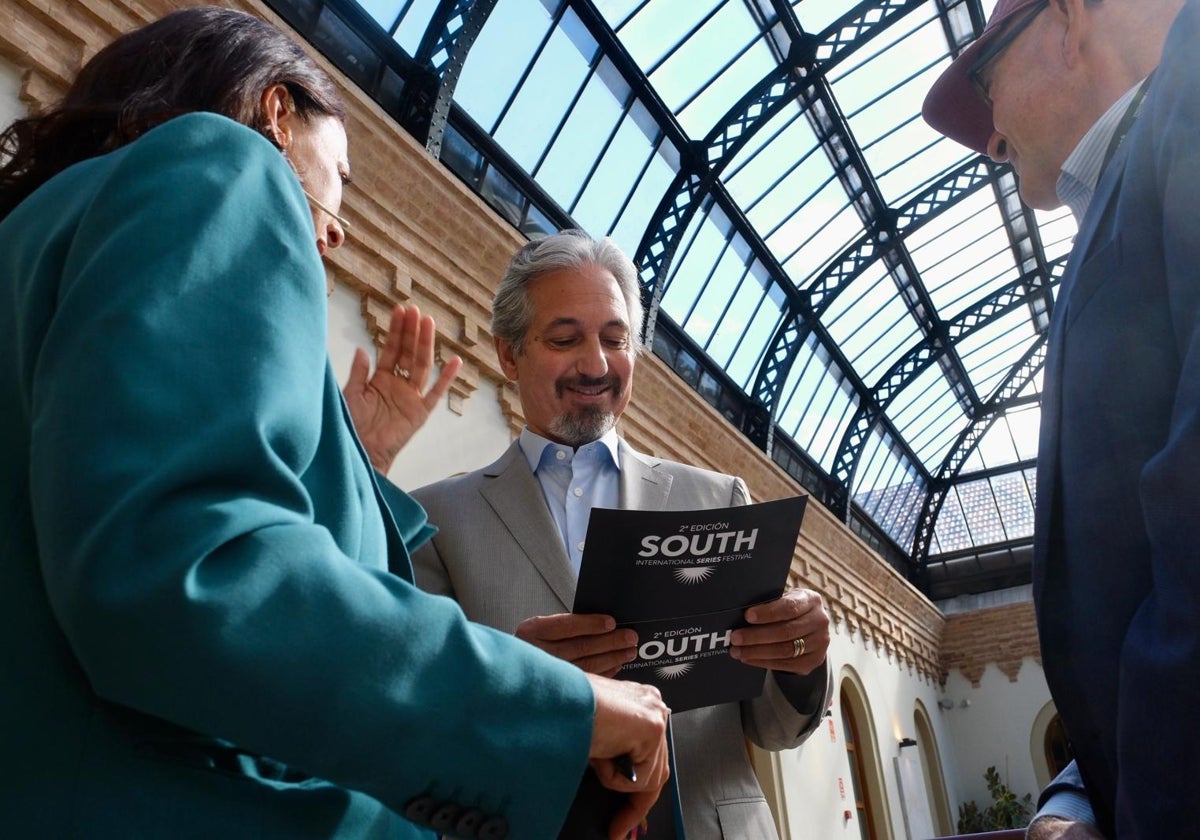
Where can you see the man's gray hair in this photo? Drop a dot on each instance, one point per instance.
(511, 310)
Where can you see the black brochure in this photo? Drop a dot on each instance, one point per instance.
(683, 580)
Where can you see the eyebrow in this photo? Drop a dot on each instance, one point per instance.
(574, 322)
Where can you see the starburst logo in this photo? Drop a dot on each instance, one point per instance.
(672, 672)
(694, 574)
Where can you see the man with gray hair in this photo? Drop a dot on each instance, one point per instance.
(566, 322)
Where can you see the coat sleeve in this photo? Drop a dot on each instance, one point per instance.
(789, 708)
(1156, 736)
(177, 403)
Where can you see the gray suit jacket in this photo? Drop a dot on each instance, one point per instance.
(500, 555)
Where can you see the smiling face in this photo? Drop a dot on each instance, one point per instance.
(574, 373)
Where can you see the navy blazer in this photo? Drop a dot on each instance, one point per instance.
(200, 634)
(1117, 541)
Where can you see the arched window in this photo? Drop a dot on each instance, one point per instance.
(858, 769)
(1058, 748)
(931, 765)
(1049, 748)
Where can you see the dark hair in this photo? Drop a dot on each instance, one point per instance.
(199, 59)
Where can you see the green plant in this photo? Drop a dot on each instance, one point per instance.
(1006, 810)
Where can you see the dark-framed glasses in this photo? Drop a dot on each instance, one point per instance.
(998, 45)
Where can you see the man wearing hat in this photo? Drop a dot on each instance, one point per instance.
(1096, 104)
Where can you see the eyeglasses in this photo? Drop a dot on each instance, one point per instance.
(345, 225)
(998, 45)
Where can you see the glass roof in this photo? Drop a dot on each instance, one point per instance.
(863, 298)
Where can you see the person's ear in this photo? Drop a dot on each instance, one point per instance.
(1074, 17)
(507, 357)
(278, 115)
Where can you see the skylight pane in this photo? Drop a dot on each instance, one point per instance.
(713, 69)
(576, 148)
(870, 323)
(384, 13)
(982, 514)
(633, 221)
(990, 353)
(743, 367)
(737, 312)
(615, 176)
(1015, 503)
(950, 528)
(693, 265)
(659, 26)
(540, 104)
(816, 15)
(412, 27)
(501, 53)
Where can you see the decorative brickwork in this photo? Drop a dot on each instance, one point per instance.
(1005, 635)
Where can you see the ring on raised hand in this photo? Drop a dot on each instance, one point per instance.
(798, 647)
(401, 372)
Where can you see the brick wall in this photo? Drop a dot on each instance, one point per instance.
(1005, 635)
(419, 234)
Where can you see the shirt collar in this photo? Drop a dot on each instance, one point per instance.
(533, 445)
(1082, 168)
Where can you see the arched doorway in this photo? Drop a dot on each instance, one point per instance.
(855, 747)
(931, 764)
(1057, 746)
(862, 755)
(1048, 745)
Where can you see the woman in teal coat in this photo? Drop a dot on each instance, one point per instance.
(201, 636)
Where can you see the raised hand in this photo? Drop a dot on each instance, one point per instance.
(389, 405)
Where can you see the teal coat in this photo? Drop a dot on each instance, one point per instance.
(200, 634)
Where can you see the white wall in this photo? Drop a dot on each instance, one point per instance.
(994, 728)
(448, 443)
(816, 788)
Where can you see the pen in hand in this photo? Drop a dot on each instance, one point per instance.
(624, 765)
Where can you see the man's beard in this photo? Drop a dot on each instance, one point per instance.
(587, 423)
(584, 426)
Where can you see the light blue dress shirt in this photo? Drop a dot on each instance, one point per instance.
(574, 481)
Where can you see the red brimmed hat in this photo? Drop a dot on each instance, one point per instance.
(953, 106)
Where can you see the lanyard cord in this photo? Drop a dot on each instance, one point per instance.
(1127, 120)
